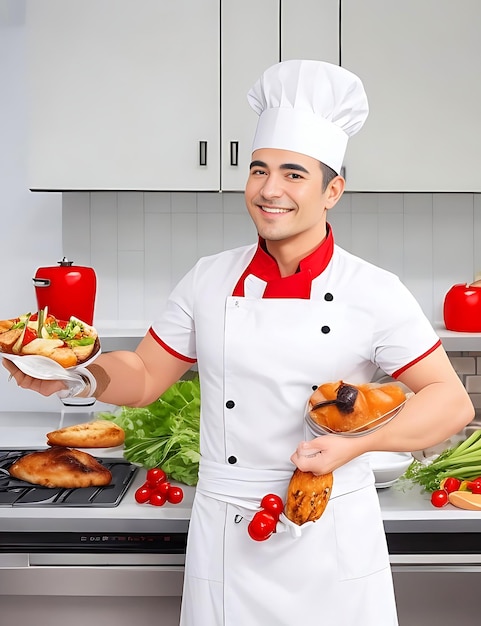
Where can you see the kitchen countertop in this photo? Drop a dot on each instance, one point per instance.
(405, 508)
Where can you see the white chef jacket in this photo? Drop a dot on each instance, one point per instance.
(260, 355)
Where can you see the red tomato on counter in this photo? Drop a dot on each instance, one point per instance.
(450, 484)
(157, 499)
(474, 486)
(155, 475)
(175, 495)
(439, 498)
(142, 494)
(163, 488)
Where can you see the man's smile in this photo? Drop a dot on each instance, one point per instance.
(268, 209)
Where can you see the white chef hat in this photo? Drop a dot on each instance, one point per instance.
(311, 107)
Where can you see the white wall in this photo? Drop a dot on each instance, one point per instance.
(30, 223)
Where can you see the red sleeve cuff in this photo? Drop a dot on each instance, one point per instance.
(170, 350)
(398, 372)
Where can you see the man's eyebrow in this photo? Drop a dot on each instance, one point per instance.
(284, 166)
(257, 164)
(294, 166)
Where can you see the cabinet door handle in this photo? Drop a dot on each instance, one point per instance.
(234, 153)
(202, 152)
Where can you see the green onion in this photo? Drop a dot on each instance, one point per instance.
(461, 461)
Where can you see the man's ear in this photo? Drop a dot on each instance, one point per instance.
(334, 191)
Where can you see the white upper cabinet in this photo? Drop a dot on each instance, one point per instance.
(151, 95)
(250, 43)
(124, 94)
(255, 35)
(420, 64)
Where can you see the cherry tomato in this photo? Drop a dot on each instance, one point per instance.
(163, 488)
(143, 494)
(273, 504)
(157, 499)
(439, 498)
(450, 484)
(155, 475)
(474, 486)
(261, 526)
(175, 495)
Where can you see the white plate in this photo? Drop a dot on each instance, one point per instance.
(384, 485)
(44, 368)
(388, 467)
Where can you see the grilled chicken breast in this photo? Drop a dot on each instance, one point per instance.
(61, 467)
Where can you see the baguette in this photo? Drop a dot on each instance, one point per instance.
(96, 434)
(465, 500)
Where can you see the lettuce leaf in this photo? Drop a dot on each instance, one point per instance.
(165, 433)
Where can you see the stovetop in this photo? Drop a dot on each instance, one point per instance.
(15, 492)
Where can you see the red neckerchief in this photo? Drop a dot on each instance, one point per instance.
(265, 267)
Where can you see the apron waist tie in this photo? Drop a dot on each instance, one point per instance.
(245, 487)
(242, 486)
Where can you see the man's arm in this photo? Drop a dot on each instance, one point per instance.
(440, 408)
(124, 378)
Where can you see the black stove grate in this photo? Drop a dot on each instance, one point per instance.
(14, 492)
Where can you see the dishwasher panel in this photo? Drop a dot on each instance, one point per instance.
(437, 595)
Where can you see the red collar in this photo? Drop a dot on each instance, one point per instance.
(298, 285)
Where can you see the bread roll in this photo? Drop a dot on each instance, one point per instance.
(97, 434)
(307, 496)
(353, 407)
(61, 467)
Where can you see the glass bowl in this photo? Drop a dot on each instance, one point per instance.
(317, 429)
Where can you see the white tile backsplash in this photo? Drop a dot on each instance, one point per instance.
(157, 277)
(141, 244)
(130, 221)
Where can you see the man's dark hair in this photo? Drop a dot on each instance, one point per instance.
(327, 175)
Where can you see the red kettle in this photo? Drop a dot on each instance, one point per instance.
(67, 290)
(462, 308)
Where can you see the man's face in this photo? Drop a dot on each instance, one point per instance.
(284, 197)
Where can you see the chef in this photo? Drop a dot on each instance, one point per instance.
(266, 324)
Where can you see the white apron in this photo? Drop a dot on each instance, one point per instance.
(334, 572)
